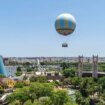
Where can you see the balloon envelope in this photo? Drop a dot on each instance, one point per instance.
(65, 24)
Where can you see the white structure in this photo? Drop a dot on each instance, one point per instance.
(39, 66)
(3, 98)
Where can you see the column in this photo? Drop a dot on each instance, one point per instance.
(95, 66)
(80, 66)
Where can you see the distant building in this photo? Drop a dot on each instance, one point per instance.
(54, 77)
(11, 70)
(48, 59)
(51, 76)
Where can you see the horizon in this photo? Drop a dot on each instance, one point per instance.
(51, 56)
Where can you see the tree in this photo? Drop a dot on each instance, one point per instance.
(40, 89)
(81, 100)
(65, 65)
(42, 63)
(59, 97)
(27, 63)
(19, 85)
(70, 103)
(28, 102)
(22, 96)
(41, 79)
(2, 76)
(67, 81)
(19, 69)
(18, 73)
(25, 77)
(69, 72)
(76, 82)
(101, 82)
(87, 87)
(16, 102)
(45, 101)
(29, 69)
(1, 91)
(33, 79)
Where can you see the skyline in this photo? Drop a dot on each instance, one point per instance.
(27, 28)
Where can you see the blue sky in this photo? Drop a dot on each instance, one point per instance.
(27, 28)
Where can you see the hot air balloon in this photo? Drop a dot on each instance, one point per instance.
(65, 25)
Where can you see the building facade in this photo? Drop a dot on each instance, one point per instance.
(2, 68)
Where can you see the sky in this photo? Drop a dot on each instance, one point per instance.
(27, 28)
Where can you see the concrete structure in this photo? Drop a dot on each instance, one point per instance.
(95, 66)
(80, 65)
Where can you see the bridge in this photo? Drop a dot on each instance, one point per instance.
(90, 74)
(94, 72)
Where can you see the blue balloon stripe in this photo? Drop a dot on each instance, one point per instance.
(62, 23)
(70, 24)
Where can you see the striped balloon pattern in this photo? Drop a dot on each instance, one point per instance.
(65, 24)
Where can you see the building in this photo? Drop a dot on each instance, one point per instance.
(54, 77)
(11, 70)
(9, 82)
(2, 68)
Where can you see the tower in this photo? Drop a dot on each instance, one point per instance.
(2, 68)
(80, 65)
(95, 66)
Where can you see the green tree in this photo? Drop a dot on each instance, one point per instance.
(2, 76)
(65, 65)
(19, 69)
(59, 97)
(27, 63)
(28, 102)
(16, 102)
(19, 85)
(33, 79)
(18, 73)
(22, 96)
(1, 91)
(41, 79)
(40, 89)
(67, 81)
(45, 101)
(76, 82)
(69, 72)
(81, 100)
(29, 69)
(101, 82)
